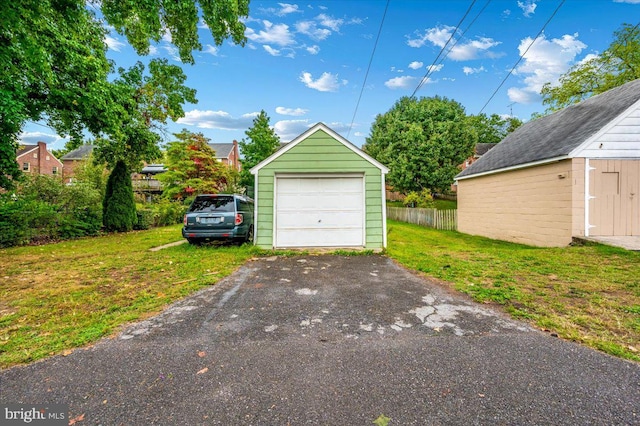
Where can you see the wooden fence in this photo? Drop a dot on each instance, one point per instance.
(432, 218)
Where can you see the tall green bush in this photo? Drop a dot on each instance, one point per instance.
(119, 208)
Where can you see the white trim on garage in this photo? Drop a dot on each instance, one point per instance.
(308, 235)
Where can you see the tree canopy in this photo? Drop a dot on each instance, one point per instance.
(422, 141)
(55, 66)
(192, 168)
(261, 142)
(618, 64)
(493, 128)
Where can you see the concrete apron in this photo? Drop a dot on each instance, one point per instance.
(626, 242)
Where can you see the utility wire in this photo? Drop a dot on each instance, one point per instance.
(463, 33)
(432, 66)
(522, 55)
(353, 119)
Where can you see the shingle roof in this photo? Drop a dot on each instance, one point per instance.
(24, 149)
(483, 148)
(80, 153)
(222, 149)
(556, 135)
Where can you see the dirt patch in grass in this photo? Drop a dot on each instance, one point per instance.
(582, 293)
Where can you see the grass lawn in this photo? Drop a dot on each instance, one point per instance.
(61, 296)
(588, 294)
(438, 204)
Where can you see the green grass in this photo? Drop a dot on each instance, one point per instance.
(61, 296)
(589, 294)
(438, 204)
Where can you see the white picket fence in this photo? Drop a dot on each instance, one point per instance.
(432, 218)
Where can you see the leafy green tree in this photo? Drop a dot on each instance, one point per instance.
(618, 64)
(119, 207)
(422, 141)
(55, 65)
(261, 142)
(192, 168)
(493, 128)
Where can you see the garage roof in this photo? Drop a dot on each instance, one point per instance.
(555, 136)
(317, 127)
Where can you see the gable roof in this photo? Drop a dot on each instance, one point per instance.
(555, 136)
(223, 150)
(23, 149)
(80, 153)
(315, 128)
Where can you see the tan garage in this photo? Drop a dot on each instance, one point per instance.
(574, 173)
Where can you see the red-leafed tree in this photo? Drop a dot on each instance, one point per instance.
(192, 168)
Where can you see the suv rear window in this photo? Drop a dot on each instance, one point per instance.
(212, 204)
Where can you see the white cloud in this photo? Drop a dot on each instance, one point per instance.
(435, 68)
(473, 50)
(271, 51)
(291, 111)
(172, 51)
(330, 22)
(272, 34)
(314, 50)
(153, 51)
(212, 50)
(32, 138)
(309, 28)
(403, 82)
(627, 1)
(289, 129)
(438, 36)
(545, 61)
(217, 120)
(528, 7)
(287, 9)
(359, 134)
(326, 83)
(113, 43)
(415, 65)
(469, 70)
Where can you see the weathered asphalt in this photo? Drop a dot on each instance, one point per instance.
(331, 340)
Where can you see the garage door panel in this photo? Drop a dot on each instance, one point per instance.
(295, 220)
(319, 211)
(321, 238)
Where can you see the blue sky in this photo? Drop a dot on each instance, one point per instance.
(306, 61)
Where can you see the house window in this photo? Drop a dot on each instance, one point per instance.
(25, 167)
(35, 155)
(48, 158)
(54, 170)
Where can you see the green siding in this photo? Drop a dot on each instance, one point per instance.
(320, 153)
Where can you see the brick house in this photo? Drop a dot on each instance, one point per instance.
(227, 153)
(72, 159)
(36, 159)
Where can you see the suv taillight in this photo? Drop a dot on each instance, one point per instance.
(185, 219)
(239, 218)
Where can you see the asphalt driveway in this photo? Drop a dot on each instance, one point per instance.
(331, 340)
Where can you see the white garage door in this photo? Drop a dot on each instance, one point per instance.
(319, 211)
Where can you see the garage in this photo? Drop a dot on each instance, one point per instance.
(320, 191)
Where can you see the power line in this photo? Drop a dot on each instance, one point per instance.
(368, 68)
(431, 67)
(522, 55)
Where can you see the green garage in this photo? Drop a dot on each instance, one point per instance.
(320, 191)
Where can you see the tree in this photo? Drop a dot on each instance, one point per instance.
(192, 168)
(618, 64)
(55, 65)
(422, 141)
(119, 206)
(493, 128)
(261, 142)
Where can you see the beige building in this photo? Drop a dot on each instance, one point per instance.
(574, 173)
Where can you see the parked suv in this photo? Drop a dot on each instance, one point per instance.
(219, 217)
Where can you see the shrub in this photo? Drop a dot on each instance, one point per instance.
(145, 219)
(119, 208)
(422, 199)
